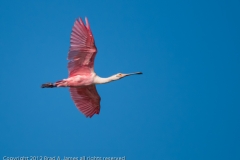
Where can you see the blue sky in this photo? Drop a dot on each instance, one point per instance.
(185, 105)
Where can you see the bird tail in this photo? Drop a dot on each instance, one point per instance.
(48, 85)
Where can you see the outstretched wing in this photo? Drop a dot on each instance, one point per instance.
(82, 48)
(86, 99)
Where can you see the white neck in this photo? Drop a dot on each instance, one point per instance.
(100, 80)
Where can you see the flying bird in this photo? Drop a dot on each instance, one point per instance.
(82, 78)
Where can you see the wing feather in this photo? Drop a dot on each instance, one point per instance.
(86, 99)
(82, 50)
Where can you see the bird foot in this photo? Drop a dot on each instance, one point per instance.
(48, 85)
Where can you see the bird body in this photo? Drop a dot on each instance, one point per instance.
(82, 78)
(77, 80)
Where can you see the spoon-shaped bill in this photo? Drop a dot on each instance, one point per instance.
(129, 74)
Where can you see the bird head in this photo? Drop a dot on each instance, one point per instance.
(121, 75)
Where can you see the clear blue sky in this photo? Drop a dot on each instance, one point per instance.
(186, 105)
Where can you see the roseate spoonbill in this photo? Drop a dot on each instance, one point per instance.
(82, 78)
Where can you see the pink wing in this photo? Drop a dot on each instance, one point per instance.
(82, 49)
(86, 99)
